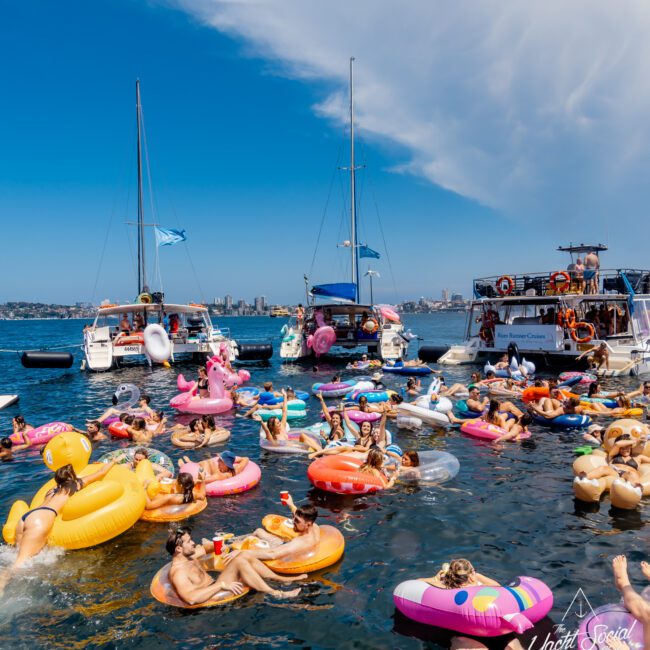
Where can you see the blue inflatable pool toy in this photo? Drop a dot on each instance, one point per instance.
(565, 421)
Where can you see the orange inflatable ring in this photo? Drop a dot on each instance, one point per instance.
(340, 474)
(174, 512)
(329, 551)
(163, 590)
(583, 339)
(560, 281)
(134, 339)
(534, 393)
(505, 285)
(570, 318)
(370, 326)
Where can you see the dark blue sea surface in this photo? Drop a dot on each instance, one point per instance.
(510, 511)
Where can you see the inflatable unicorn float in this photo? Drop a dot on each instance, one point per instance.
(220, 381)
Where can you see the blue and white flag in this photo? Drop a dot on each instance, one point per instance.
(168, 236)
(365, 251)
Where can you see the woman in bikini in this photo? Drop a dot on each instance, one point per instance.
(202, 384)
(35, 525)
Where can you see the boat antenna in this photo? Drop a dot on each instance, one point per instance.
(353, 198)
(142, 275)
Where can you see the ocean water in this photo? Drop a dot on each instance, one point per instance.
(510, 511)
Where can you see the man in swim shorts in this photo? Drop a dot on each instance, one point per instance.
(194, 585)
(304, 524)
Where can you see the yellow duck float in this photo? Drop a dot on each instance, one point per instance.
(94, 515)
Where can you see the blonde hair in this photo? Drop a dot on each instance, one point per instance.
(374, 460)
(455, 574)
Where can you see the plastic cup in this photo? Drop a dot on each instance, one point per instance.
(284, 496)
(217, 540)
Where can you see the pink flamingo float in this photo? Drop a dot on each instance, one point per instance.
(220, 381)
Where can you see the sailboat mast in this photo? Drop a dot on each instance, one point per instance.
(353, 196)
(142, 275)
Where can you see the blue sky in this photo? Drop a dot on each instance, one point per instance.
(480, 160)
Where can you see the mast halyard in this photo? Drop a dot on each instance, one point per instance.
(142, 274)
(353, 198)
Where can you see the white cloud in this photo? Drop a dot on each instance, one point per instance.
(523, 106)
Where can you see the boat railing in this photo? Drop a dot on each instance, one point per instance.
(553, 283)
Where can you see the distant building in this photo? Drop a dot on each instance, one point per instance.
(260, 303)
(227, 303)
(218, 302)
(457, 298)
(445, 295)
(241, 305)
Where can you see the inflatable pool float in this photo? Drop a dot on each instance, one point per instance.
(217, 437)
(119, 429)
(360, 365)
(43, 434)
(340, 474)
(97, 513)
(329, 550)
(414, 371)
(614, 619)
(408, 422)
(464, 412)
(568, 383)
(321, 340)
(479, 611)
(606, 401)
(246, 480)
(584, 378)
(296, 408)
(361, 416)
(290, 446)
(163, 590)
(334, 389)
(157, 345)
(372, 396)
(434, 467)
(535, 393)
(267, 398)
(220, 381)
(427, 415)
(487, 431)
(564, 421)
(125, 456)
(389, 313)
(622, 494)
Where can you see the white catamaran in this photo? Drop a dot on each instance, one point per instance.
(117, 333)
(552, 318)
(341, 320)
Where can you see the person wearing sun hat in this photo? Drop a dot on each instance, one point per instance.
(595, 434)
(376, 380)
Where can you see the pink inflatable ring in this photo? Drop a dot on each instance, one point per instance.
(479, 611)
(487, 431)
(43, 434)
(242, 482)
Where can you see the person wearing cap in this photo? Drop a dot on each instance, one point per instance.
(595, 434)
(223, 466)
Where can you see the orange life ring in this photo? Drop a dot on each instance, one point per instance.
(582, 325)
(570, 318)
(370, 326)
(133, 339)
(505, 285)
(563, 285)
(485, 334)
